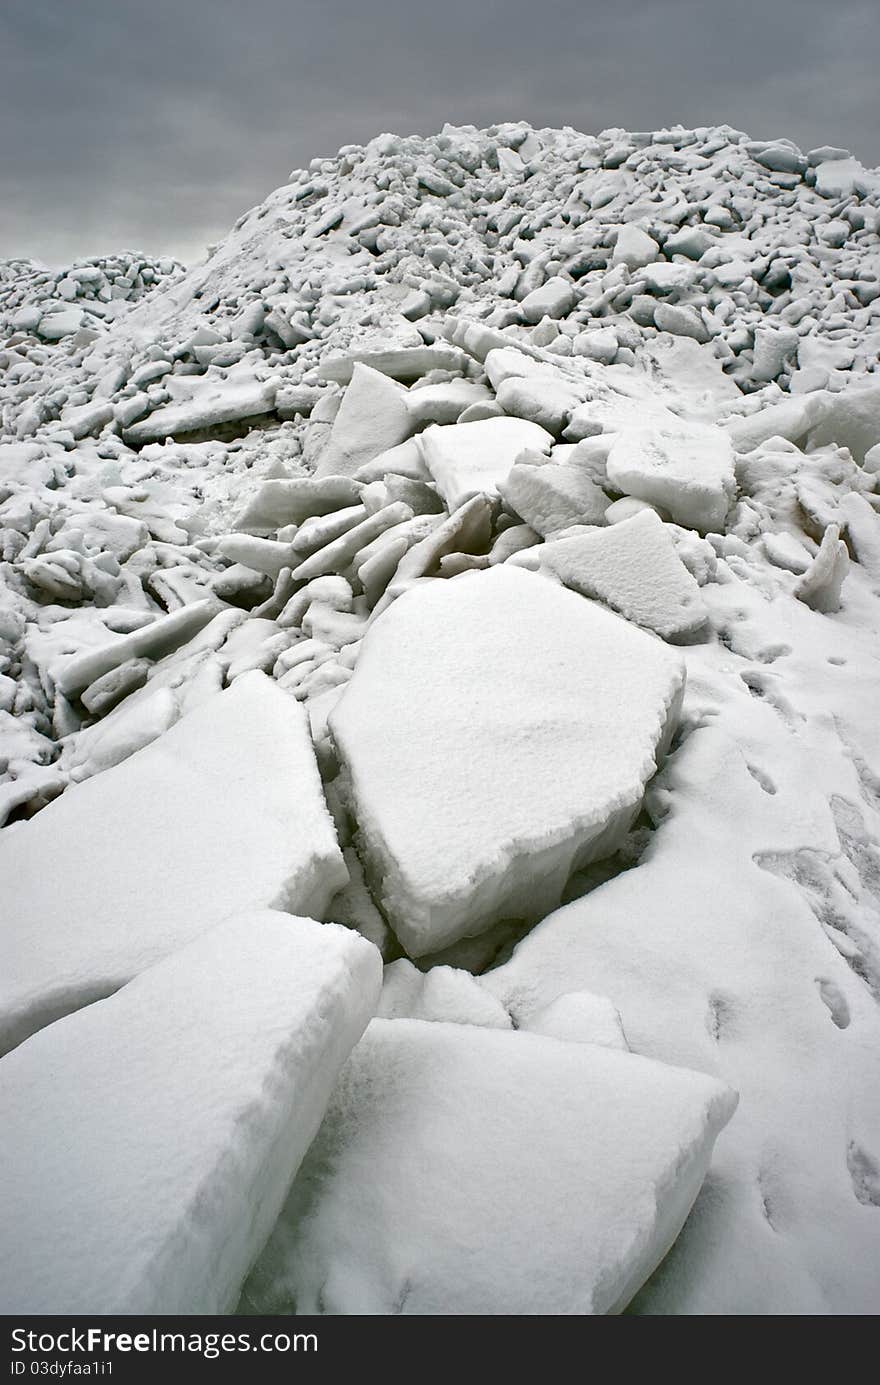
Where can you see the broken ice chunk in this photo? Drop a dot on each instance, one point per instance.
(150, 1139)
(442, 993)
(553, 496)
(469, 459)
(404, 363)
(215, 402)
(468, 529)
(496, 669)
(821, 583)
(339, 554)
(554, 299)
(263, 555)
(634, 247)
(578, 1017)
(72, 674)
(633, 567)
(280, 502)
(688, 470)
(372, 418)
(559, 1176)
(223, 811)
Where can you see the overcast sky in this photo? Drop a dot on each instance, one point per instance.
(152, 124)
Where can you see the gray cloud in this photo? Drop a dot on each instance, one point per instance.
(154, 126)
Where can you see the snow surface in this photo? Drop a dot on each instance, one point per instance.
(412, 1201)
(149, 1139)
(498, 731)
(222, 812)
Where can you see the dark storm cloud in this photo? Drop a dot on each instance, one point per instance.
(154, 125)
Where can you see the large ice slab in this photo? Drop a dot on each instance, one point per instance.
(478, 1171)
(222, 812)
(687, 469)
(215, 402)
(150, 1139)
(291, 501)
(497, 733)
(633, 567)
(372, 418)
(467, 459)
(404, 363)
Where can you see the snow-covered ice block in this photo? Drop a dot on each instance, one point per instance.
(713, 952)
(224, 811)
(839, 178)
(497, 734)
(340, 553)
(555, 298)
(468, 530)
(218, 401)
(821, 583)
(469, 459)
(404, 363)
(634, 247)
(680, 319)
(55, 325)
(279, 501)
(87, 418)
(863, 530)
(404, 460)
(792, 419)
(442, 993)
(774, 347)
(850, 419)
(149, 1140)
(442, 404)
(688, 470)
(372, 418)
(578, 1017)
(469, 1170)
(633, 567)
(262, 555)
(553, 496)
(73, 674)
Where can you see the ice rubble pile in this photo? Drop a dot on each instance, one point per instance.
(73, 303)
(368, 572)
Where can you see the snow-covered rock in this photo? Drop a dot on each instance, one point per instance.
(150, 1139)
